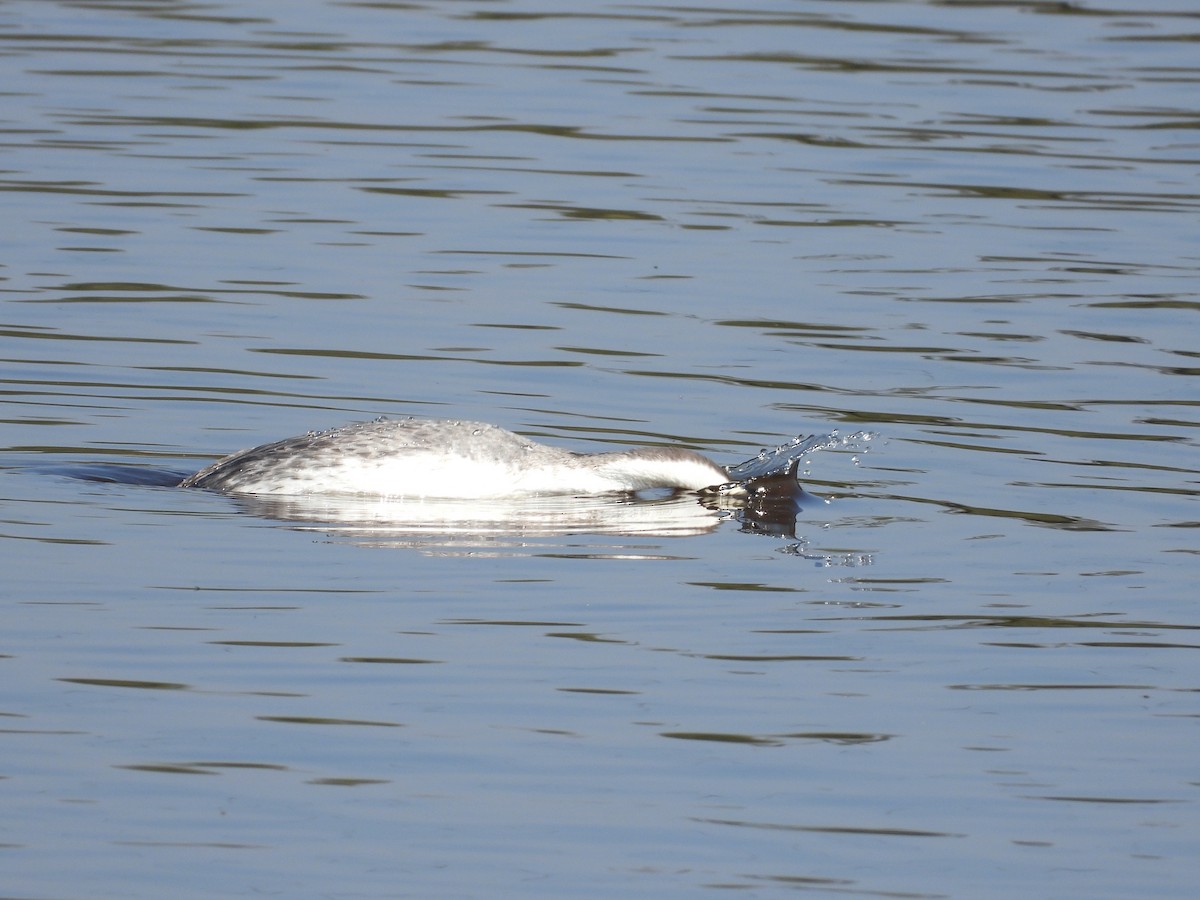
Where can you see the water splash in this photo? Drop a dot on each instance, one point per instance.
(785, 458)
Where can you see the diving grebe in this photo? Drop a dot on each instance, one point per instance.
(440, 458)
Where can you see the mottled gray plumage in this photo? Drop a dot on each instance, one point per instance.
(444, 458)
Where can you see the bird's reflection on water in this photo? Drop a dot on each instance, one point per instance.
(461, 526)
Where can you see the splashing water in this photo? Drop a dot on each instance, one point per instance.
(785, 458)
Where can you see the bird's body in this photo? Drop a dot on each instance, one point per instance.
(448, 459)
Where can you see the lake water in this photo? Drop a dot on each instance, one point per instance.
(971, 669)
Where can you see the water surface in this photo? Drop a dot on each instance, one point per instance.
(970, 669)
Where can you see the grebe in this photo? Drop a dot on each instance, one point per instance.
(440, 458)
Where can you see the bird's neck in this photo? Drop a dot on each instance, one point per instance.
(651, 467)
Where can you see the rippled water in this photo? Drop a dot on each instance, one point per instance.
(969, 668)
